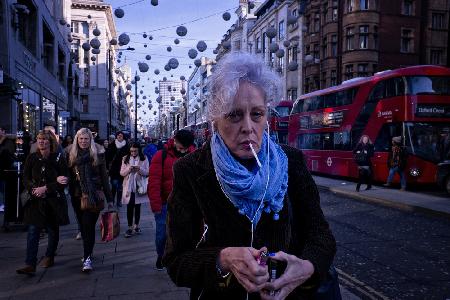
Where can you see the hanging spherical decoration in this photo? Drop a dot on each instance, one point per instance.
(95, 43)
(154, 113)
(182, 78)
(70, 39)
(169, 88)
(114, 83)
(169, 49)
(215, 51)
(167, 68)
(93, 58)
(145, 97)
(144, 35)
(172, 98)
(86, 46)
(291, 19)
(183, 91)
(118, 61)
(227, 45)
(62, 22)
(154, 81)
(164, 78)
(133, 82)
(279, 53)
(173, 63)
(293, 65)
(171, 75)
(154, 2)
(118, 12)
(159, 99)
(181, 30)
(89, 17)
(226, 16)
(95, 51)
(273, 47)
(96, 32)
(148, 57)
(141, 92)
(286, 43)
(143, 67)
(271, 32)
(113, 42)
(120, 52)
(190, 66)
(251, 5)
(156, 71)
(145, 45)
(192, 53)
(197, 62)
(197, 84)
(176, 41)
(137, 78)
(150, 37)
(124, 39)
(201, 46)
(117, 71)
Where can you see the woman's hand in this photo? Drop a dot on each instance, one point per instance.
(39, 191)
(242, 262)
(62, 179)
(296, 273)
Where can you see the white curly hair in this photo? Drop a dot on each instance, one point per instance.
(233, 69)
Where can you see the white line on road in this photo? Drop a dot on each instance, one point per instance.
(352, 282)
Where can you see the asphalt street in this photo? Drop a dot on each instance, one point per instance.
(388, 253)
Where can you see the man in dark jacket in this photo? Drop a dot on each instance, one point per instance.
(397, 162)
(118, 149)
(7, 149)
(160, 183)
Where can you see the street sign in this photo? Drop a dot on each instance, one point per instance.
(1, 76)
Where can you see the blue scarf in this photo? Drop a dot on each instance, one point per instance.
(245, 188)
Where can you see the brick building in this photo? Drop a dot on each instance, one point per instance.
(352, 38)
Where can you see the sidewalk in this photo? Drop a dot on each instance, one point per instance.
(123, 268)
(392, 197)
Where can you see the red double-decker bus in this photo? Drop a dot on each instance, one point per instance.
(412, 102)
(279, 121)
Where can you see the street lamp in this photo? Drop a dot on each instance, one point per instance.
(136, 79)
(109, 58)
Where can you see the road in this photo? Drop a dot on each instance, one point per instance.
(384, 253)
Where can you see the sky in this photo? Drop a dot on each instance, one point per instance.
(161, 22)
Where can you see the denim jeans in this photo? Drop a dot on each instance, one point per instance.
(392, 172)
(116, 188)
(160, 236)
(33, 243)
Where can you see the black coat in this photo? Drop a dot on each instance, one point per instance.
(38, 171)
(402, 159)
(363, 153)
(116, 156)
(196, 196)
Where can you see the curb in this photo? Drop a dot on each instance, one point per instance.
(387, 203)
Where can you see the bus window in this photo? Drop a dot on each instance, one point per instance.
(429, 141)
(283, 111)
(394, 87)
(418, 85)
(342, 140)
(329, 100)
(298, 107)
(377, 92)
(384, 138)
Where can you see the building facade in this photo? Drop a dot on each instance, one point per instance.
(99, 98)
(171, 95)
(37, 80)
(356, 38)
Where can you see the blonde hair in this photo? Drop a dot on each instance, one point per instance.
(50, 136)
(73, 153)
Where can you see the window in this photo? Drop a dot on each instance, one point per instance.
(317, 22)
(325, 11)
(323, 81)
(407, 41)
(85, 26)
(237, 45)
(86, 75)
(348, 72)
(436, 57)
(375, 37)
(350, 37)
(258, 44)
(292, 54)
(74, 27)
(281, 30)
(408, 7)
(333, 78)
(75, 50)
(61, 66)
(27, 27)
(281, 64)
(350, 5)
(325, 141)
(263, 48)
(437, 21)
(292, 94)
(334, 15)
(48, 46)
(324, 47)
(363, 70)
(363, 37)
(316, 53)
(334, 45)
(364, 4)
(85, 103)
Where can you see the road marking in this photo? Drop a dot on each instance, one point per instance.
(360, 286)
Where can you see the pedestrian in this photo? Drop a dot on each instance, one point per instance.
(160, 183)
(252, 196)
(88, 187)
(362, 153)
(150, 150)
(118, 149)
(135, 170)
(68, 140)
(44, 177)
(107, 151)
(397, 162)
(7, 149)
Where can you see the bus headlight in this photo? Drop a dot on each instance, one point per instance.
(414, 172)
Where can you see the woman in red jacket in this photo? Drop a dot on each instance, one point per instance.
(160, 183)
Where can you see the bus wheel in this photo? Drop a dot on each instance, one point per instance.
(447, 184)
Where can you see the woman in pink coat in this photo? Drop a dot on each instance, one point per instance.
(134, 169)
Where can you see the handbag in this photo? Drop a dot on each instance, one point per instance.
(329, 288)
(99, 204)
(141, 185)
(109, 226)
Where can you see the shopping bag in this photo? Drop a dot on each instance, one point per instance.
(109, 226)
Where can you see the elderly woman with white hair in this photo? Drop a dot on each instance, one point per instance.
(250, 195)
(88, 188)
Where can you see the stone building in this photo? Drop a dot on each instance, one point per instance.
(354, 38)
(37, 80)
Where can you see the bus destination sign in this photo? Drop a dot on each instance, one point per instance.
(322, 120)
(433, 110)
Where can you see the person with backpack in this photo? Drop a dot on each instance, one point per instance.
(363, 152)
(160, 183)
(396, 162)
